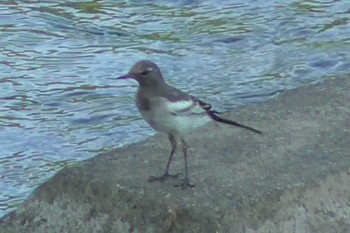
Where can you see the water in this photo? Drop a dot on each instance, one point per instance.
(58, 104)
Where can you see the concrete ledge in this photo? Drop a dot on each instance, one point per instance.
(294, 178)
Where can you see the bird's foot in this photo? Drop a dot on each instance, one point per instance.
(185, 183)
(163, 177)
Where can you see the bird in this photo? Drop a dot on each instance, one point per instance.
(171, 111)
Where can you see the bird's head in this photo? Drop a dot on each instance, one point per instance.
(146, 73)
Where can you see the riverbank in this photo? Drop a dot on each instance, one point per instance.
(294, 178)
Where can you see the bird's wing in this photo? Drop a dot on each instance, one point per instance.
(183, 107)
(181, 103)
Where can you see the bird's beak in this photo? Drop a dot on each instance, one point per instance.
(126, 76)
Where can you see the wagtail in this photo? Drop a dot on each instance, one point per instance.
(171, 111)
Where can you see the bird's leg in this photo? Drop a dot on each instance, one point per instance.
(186, 181)
(166, 174)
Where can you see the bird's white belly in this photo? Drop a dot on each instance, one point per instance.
(167, 122)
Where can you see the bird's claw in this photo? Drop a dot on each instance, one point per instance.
(163, 177)
(184, 184)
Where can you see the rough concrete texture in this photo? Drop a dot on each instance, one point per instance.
(294, 178)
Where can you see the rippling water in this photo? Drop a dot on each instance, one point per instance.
(58, 105)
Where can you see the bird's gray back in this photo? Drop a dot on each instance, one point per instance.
(173, 94)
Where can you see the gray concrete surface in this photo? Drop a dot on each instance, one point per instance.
(294, 178)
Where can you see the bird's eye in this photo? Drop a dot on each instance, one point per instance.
(144, 72)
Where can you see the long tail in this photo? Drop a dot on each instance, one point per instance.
(215, 117)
